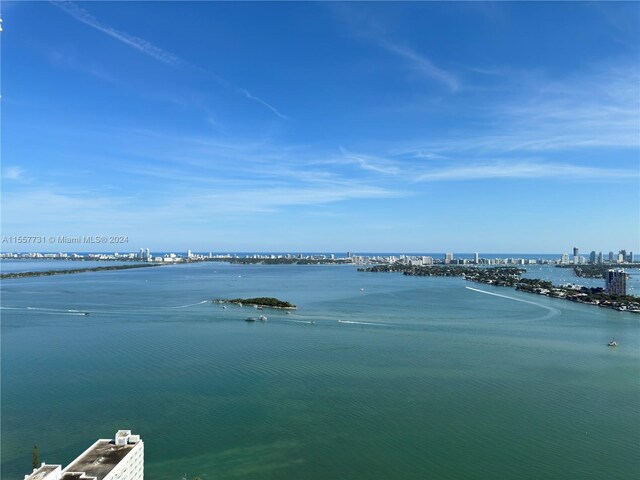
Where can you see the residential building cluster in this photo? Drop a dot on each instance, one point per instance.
(598, 258)
(145, 255)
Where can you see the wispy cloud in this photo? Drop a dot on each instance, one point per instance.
(411, 169)
(147, 48)
(524, 170)
(143, 46)
(272, 199)
(538, 114)
(365, 26)
(421, 64)
(13, 173)
(369, 162)
(270, 107)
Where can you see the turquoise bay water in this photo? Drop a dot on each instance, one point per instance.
(399, 377)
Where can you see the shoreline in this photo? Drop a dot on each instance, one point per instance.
(71, 271)
(510, 277)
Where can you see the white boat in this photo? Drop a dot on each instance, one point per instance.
(612, 343)
(262, 318)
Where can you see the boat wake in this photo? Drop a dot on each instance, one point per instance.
(189, 305)
(49, 311)
(40, 309)
(364, 323)
(553, 312)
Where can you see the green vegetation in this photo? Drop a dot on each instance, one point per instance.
(36, 457)
(510, 277)
(75, 270)
(591, 271)
(502, 276)
(260, 302)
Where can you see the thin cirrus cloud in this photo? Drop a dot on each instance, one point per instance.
(13, 173)
(524, 170)
(368, 162)
(421, 63)
(369, 28)
(143, 46)
(270, 107)
(594, 109)
(153, 51)
(186, 205)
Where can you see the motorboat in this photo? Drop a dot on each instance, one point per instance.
(262, 318)
(250, 319)
(612, 343)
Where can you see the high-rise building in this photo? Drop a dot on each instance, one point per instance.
(630, 257)
(148, 257)
(616, 282)
(448, 257)
(600, 258)
(141, 256)
(611, 258)
(121, 458)
(565, 258)
(592, 256)
(477, 258)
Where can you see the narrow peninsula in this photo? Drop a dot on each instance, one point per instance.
(46, 273)
(511, 277)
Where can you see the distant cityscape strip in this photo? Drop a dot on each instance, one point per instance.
(622, 258)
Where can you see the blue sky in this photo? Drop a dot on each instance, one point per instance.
(492, 127)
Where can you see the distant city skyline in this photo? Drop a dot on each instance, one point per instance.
(148, 254)
(320, 127)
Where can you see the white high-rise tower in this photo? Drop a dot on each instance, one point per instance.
(121, 458)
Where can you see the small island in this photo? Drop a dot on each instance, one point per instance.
(269, 302)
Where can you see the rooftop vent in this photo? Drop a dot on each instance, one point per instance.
(122, 437)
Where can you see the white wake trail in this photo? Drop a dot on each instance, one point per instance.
(364, 323)
(189, 305)
(552, 310)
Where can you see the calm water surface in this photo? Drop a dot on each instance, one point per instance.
(398, 377)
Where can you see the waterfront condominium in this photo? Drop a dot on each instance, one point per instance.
(616, 282)
(121, 458)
